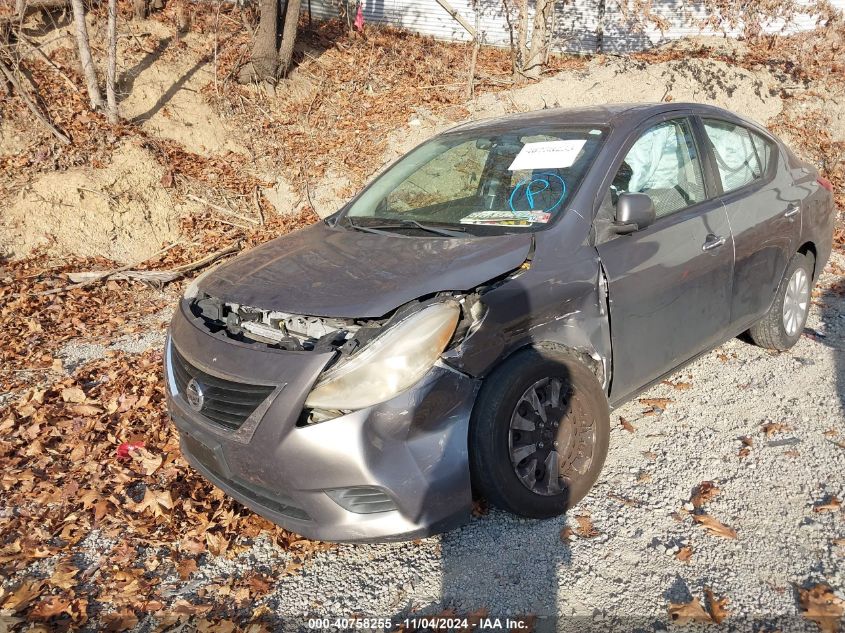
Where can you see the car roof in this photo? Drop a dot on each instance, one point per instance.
(615, 114)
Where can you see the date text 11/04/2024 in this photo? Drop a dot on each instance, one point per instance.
(437, 623)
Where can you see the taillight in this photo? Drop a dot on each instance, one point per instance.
(824, 182)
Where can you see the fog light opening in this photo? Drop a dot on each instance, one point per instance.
(362, 499)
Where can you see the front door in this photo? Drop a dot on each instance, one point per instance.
(669, 284)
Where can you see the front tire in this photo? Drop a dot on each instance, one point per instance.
(783, 324)
(539, 434)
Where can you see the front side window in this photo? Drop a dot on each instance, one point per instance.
(480, 182)
(741, 155)
(663, 164)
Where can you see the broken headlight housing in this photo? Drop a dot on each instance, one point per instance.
(390, 363)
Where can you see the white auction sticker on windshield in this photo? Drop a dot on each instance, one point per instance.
(547, 155)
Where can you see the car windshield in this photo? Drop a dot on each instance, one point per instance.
(477, 183)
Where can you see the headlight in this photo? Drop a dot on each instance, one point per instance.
(390, 363)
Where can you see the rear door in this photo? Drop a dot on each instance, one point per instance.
(764, 211)
(669, 285)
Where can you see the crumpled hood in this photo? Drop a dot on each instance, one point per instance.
(334, 272)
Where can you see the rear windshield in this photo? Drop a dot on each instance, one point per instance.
(520, 180)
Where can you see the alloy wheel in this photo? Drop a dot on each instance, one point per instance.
(551, 438)
(796, 301)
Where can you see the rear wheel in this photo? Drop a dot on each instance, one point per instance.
(783, 324)
(539, 434)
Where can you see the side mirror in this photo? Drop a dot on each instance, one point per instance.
(634, 212)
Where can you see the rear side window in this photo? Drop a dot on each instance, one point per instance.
(742, 156)
(664, 164)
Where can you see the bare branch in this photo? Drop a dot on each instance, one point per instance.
(33, 107)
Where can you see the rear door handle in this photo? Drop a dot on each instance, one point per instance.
(713, 241)
(791, 210)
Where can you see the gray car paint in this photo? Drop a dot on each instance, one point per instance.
(633, 307)
(333, 272)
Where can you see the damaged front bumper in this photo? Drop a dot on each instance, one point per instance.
(394, 471)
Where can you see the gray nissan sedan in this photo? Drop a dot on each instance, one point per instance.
(469, 319)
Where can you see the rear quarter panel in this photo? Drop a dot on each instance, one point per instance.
(818, 212)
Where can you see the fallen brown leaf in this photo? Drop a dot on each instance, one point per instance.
(831, 505)
(771, 428)
(155, 502)
(684, 613)
(585, 528)
(684, 554)
(713, 526)
(703, 493)
(657, 403)
(820, 605)
(186, 567)
(626, 425)
(480, 508)
(148, 462)
(643, 477)
(21, 597)
(117, 621)
(49, 607)
(680, 386)
(85, 409)
(716, 606)
(73, 394)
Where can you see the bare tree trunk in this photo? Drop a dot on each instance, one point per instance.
(265, 58)
(85, 58)
(540, 37)
(476, 44)
(289, 35)
(140, 9)
(111, 69)
(522, 37)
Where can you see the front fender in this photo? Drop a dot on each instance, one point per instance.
(547, 305)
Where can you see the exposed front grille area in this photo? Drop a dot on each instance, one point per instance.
(224, 402)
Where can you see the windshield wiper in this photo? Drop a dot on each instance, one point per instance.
(376, 229)
(425, 227)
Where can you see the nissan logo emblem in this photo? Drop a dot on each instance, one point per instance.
(195, 395)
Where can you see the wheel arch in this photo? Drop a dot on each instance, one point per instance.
(583, 356)
(809, 248)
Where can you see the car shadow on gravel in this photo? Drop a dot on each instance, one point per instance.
(501, 566)
(833, 337)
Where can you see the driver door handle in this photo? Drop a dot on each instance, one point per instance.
(713, 241)
(791, 210)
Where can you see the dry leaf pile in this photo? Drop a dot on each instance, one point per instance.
(96, 451)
